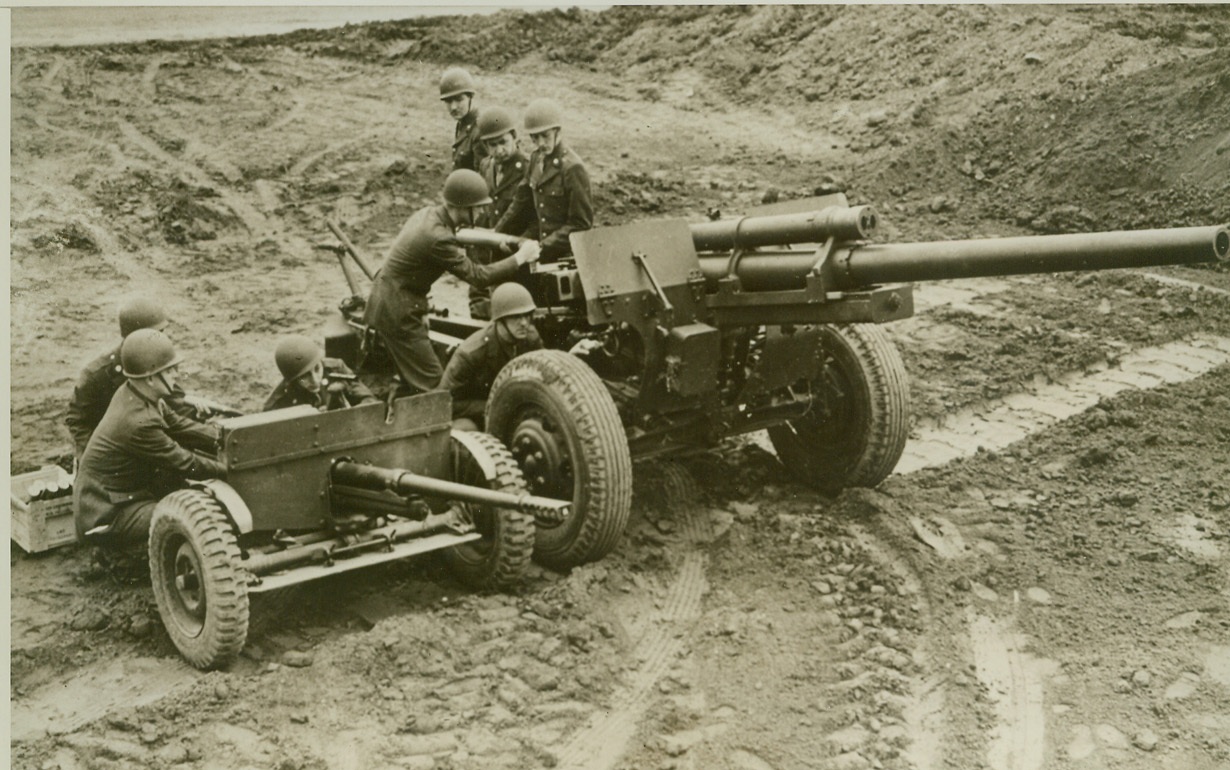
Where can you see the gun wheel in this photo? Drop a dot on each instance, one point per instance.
(199, 584)
(562, 427)
(860, 413)
(499, 559)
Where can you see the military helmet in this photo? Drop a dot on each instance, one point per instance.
(296, 355)
(542, 114)
(510, 299)
(465, 188)
(141, 312)
(494, 122)
(455, 81)
(147, 352)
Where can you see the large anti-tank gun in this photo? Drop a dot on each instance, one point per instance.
(770, 321)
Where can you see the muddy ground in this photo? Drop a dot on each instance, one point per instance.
(1043, 584)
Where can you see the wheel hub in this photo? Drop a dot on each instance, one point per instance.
(189, 590)
(542, 455)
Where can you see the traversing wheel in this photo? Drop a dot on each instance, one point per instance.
(199, 583)
(500, 558)
(860, 412)
(561, 425)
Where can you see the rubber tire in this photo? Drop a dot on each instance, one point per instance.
(861, 445)
(571, 396)
(500, 559)
(212, 636)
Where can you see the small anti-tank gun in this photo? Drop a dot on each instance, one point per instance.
(308, 495)
(770, 321)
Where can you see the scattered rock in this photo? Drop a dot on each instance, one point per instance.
(1141, 678)
(297, 659)
(1183, 687)
(1038, 595)
(90, 619)
(1145, 740)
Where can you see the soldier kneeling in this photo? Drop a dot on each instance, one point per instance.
(141, 450)
(310, 378)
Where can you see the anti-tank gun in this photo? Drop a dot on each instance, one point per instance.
(771, 321)
(308, 495)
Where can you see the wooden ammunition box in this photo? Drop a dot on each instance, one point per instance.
(40, 525)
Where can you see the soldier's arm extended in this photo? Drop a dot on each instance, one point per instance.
(580, 214)
(189, 433)
(152, 440)
(452, 257)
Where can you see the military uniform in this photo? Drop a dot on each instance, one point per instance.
(474, 366)
(96, 384)
(346, 391)
(502, 179)
(552, 200)
(140, 452)
(468, 149)
(397, 307)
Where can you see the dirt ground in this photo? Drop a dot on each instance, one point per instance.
(1045, 581)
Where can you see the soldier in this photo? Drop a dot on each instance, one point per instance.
(553, 199)
(103, 376)
(502, 169)
(141, 450)
(480, 357)
(457, 93)
(425, 249)
(310, 378)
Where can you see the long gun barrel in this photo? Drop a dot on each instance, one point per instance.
(406, 482)
(858, 265)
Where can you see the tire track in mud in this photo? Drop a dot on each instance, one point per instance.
(49, 77)
(94, 692)
(994, 425)
(1014, 680)
(293, 114)
(601, 743)
(254, 221)
(307, 161)
(149, 77)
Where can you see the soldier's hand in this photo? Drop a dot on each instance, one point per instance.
(336, 387)
(529, 252)
(585, 347)
(508, 246)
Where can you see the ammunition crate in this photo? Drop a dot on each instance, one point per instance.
(40, 525)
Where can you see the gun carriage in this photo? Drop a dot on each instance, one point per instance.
(308, 495)
(708, 330)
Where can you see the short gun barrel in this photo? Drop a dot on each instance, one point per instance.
(860, 265)
(407, 482)
(844, 223)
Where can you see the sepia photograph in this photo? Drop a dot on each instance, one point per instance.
(619, 387)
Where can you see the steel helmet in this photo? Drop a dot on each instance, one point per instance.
(465, 188)
(542, 114)
(141, 313)
(147, 352)
(455, 81)
(510, 299)
(296, 355)
(494, 122)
